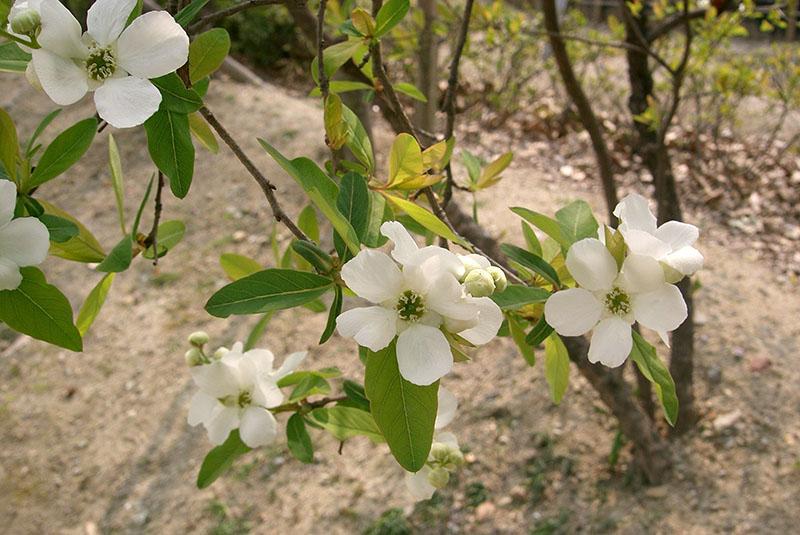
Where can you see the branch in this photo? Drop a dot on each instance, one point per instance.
(152, 238)
(211, 18)
(304, 405)
(667, 25)
(263, 182)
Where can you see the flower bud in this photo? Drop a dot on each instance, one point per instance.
(26, 22)
(499, 277)
(470, 263)
(198, 339)
(438, 478)
(194, 357)
(439, 452)
(219, 353)
(479, 283)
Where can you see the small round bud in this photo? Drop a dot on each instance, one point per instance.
(438, 452)
(499, 277)
(454, 459)
(198, 339)
(194, 357)
(219, 353)
(470, 263)
(479, 283)
(26, 22)
(438, 478)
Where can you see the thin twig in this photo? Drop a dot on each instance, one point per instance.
(152, 238)
(211, 18)
(295, 407)
(266, 186)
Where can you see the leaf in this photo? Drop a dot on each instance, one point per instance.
(405, 160)
(556, 366)
(170, 145)
(347, 422)
(356, 396)
(426, 219)
(546, 224)
(176, 96)
(207, 53)
(307, 221)
(341, 86)
(531, 240)
(60, 229)
(188, 13)
(220, 459)
(531, 261)
(271, 289)
(115, 164)
(404, 412)
(336, 309)
(93, 303)
(43, 124)
(82, 248)
(517, 329)
(615, 243)
(311, 385)
(358, 140)
(139, 211)
(66, 149)
(539, 332)
(411, 90)
(436, 156)
(322, 191)
(9, 144)
(473, 166)
(203, 133)
(354, 202)
(517, 296)
(169, 234)
(491, 173)
(257, 331)
(237, 266)
(389, 16)
(120, 257)
(644, 355)
(577, 221)
(335, 56)
(298, 440)
(13, 58)
(40, 310)
(335, 127)
(297, 377)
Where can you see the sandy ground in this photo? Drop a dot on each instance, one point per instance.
(98, 442)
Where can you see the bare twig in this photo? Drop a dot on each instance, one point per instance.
(667, 25)
(211, 18)
(152, 237)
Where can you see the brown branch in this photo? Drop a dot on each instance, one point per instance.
(152, 238)
(211, 18)
(323, 78)
(266, 186)
(667, 25)
(305, 405)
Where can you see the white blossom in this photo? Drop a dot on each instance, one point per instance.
(671, 243)
(114, 61)
(236, 391)
(415, 294)
(23, 241)
(609, 301)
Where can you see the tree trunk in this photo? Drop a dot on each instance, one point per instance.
(425, 112)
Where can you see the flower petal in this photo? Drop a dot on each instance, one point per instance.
(448, 404)
(218, 379)
(591, 265)
(153, 45)
(634, 211)
(641, 274)
(261, 359)
(289, 364)
(423, 354)
(60, 33)
(372, 327)
(126, 102)
(24, 241)
(572, 312)
(63, 81)
(685, 260)
(8, 201)
(222, 422)
(10, 277)
(418, 485)
(661, 310)
(201, 408)
(490, 318)
(677, 234)
(643, 243)
(447, 438)
(107, 18)
(611, 342)
(446, 297)
(258, 427)
(373, 276)
(404, 245)
(435, 260)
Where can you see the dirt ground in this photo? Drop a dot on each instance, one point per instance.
(98, 442)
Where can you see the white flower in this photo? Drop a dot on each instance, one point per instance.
(23, 241)
(113, 61)
(418, 483)
(413, 300)
(236, 391)
(609, 301)
(671, 243)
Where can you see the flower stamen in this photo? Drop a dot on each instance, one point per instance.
(100, 63)
(410, 306)
(618, 302)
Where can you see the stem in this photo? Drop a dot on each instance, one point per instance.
(211, 18)
(152, 238)
(304, 406)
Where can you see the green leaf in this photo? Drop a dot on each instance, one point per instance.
(531, 240)
(577, 222)
(389, 16)
(40, 310)
(336, 309)
(354, 202)
(335, 56)
(517, 296)
(93, 303)
(170, 144)
(139, 211)
(82, 248)
(60, 229)
(271, 289)
(411, 90)
(66, 149)
(257, 331)
(615, 243)
(307, 221)
(426, 218)
(9, 144)
(207, 52)
(405, 160)
(335, 128)
(556, 366)
(322, 191)
(346, 422)
(644, 355)
(548, 225)
(220, 459)
(237, 266)
(169, 234)
(311, 385)
(491, 173)
(298, 440)
(341, 86)
(297, 377)
(203, 133)
(175, 96)
(120, 257)
(531, 261)
(516, 327)
(115, 165)
(13, 58)
(539, 332)
(356, 396)
(43, 124)
(358, 140)
(404, 412)
(188, 13)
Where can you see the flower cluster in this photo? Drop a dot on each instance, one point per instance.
(611, 297)
(237, 389)
(111, 58)
(419, 295)
(23, 241)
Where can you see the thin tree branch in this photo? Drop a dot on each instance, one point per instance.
(211, 18)
(152, 237)
(667, 25)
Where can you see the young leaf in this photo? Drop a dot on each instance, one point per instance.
(577, 222)
(66, 149)
(531, 240)
(531, 261)
(40, 310)
(358, 140)
(491, 173)
(389, 16)
(404, 412)
(356, 396)
(336, 309)
(169, 234)
(82, 248)
(336, 56)
(517, 296)
(220, 459)
(307, 221)
(203, 133)
(405, 160)
(207, 52)
(539, 332)
(238, 266)
(546, 224)
(311, 385)
(298, 440)
(644, 355)
(13, 58)
(426, 219)
(60, 229)
(615, 243)
(43, 124)
(9, 144)
(346, 422)
(115, 164)
(93, 303)
(188, 13)
(170, 145)
(175, 96)
(411, 90)
(335, 126)
(341, 86)
(271, 289)
(120, 257)
(556, 366)
(354, 202)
